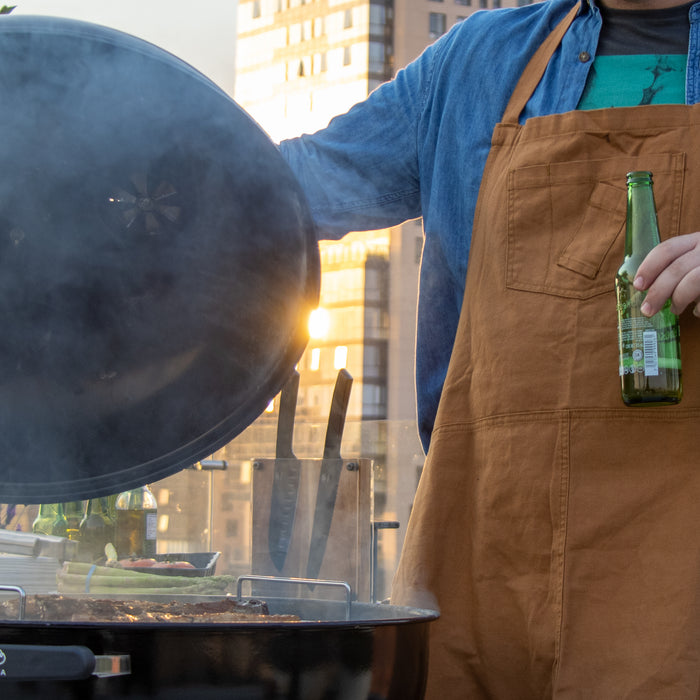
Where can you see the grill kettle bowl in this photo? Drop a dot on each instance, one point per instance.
(381, 653)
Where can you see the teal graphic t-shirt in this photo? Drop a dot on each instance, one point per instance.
(629, 81)
(640, 59)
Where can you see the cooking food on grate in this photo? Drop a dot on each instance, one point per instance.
(154, 564)
(58, 608)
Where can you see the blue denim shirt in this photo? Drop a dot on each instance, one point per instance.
(418, 145)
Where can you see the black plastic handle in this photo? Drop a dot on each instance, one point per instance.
(29, 662)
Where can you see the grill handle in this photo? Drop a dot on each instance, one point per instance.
(22, 606)
(33, 662)
(347, 589)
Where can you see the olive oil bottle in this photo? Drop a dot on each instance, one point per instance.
(649, 347)
(136, 523)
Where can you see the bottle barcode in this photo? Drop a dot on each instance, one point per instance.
(651, 354)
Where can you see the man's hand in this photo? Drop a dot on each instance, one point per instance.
(671, 271)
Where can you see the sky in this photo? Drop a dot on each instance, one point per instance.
(200, 32)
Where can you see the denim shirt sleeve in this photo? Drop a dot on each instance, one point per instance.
(361, 172)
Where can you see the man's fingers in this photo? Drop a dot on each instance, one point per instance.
(679, 282)
(662, 256)
(687, 292)
(671, 271)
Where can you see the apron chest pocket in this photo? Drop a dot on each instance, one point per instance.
(566, 221)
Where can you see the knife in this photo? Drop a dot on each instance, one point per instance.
(331, 468)
(285, 480)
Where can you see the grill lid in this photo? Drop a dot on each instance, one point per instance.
(157, 263)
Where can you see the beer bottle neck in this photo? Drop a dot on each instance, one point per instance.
(642, 228)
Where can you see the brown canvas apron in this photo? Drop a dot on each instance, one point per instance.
(557, 530)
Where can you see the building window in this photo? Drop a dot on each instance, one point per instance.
(377, 19)
(227, 501)
(315, 363)
(340, 357)
(377, 59)
(374, 365)
(376, 322)
(257, 11)
(346, 56)
(347, 19)
(438, 22)
(483, 4)
(373, 401)
(465, 3)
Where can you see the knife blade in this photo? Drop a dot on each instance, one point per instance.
(285, 480)
(331, 467)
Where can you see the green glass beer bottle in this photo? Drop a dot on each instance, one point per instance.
(59, 527)
(43, 524)
(650, 352)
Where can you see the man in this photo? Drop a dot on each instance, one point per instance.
(555, 529)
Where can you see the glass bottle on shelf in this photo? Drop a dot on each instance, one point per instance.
(59, 527)
(112, 507)
(74, 512)
(136, 526)
(96, 531)
(43, 523)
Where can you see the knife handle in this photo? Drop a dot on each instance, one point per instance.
(336, 418)
(285, 420)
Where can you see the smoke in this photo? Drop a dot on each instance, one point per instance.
(156, 262)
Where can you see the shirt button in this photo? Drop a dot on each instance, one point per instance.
(584, 57)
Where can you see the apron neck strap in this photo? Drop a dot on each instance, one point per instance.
(535, 69)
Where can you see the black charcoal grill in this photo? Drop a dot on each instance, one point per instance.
(157, 266)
